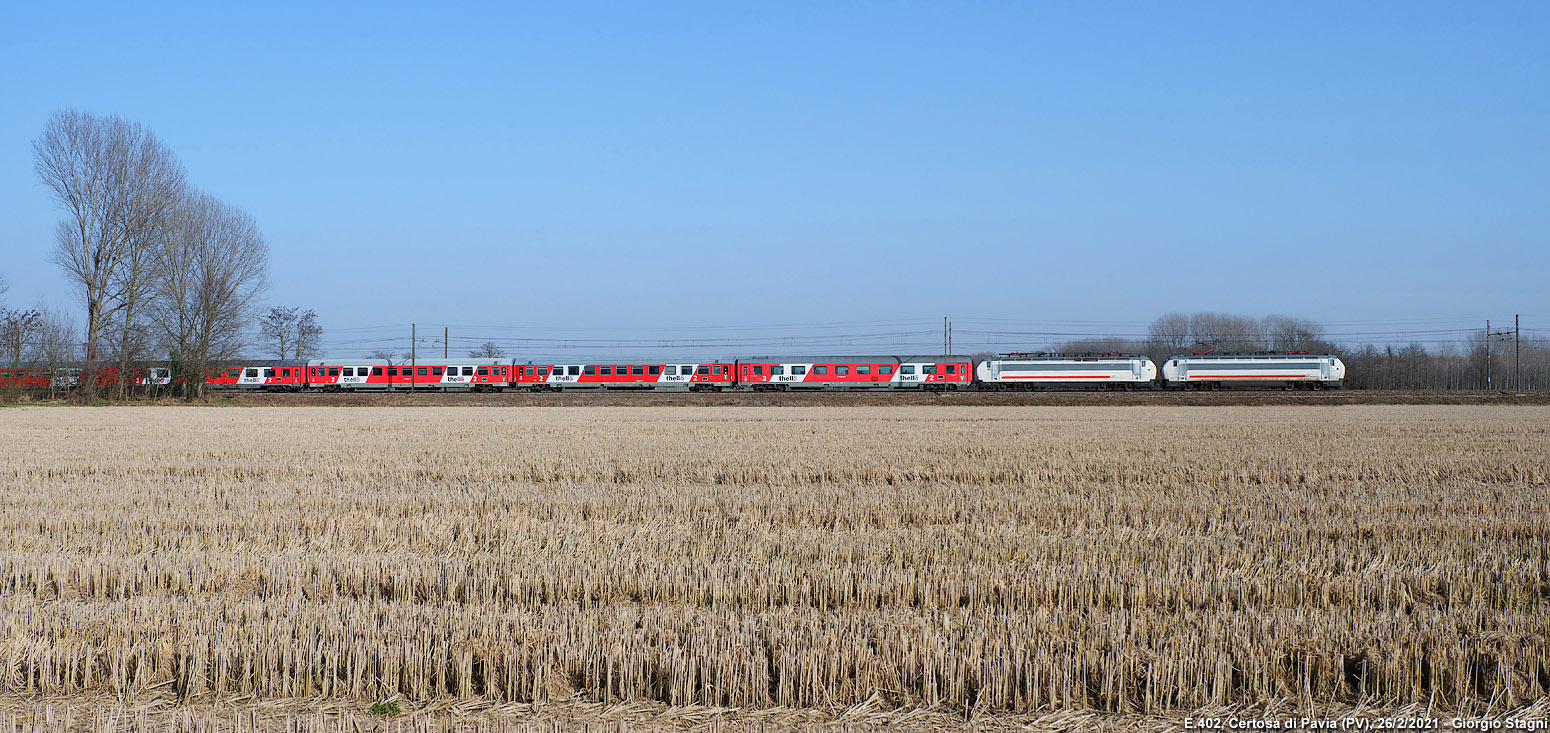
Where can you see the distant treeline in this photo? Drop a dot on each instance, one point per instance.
(1461, 365)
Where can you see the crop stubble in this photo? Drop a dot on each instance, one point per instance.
(1141, 560)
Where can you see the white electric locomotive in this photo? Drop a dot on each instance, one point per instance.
(1106, 372)
(1287, 371)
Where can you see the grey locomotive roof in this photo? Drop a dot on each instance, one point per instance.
(1073, 357)
(1283, 357)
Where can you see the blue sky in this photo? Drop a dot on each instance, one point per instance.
(656, 172)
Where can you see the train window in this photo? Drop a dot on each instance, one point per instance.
(435, 371)
(420, 371)
(797, 370)
(777, 370)
(589, 370)
(907, 369)
(252, 372)
(333, 371)
(864, 369)
(655, 370)
(715, 369)
(269, 373)
(841, 371)
(606, 370)
(636, 370)
(928, 369)
(820, 369)
(376, 371)
(484, 371)
(468, 371)
(952, 368)
(672, 370)
(543, 371)
(703, 370)
(573, 371)
(349, 371)
(758, 369)
(392, 371)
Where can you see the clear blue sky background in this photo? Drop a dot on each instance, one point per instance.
(649, 171)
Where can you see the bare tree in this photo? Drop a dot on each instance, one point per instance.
(57, 344)
(309, 336)
(487, 350)
(291, 332)
(18, 332)
(385, 355)
(117, 184)
(1286, 333)
(213, 269)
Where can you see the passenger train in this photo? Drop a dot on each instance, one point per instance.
(827, 373)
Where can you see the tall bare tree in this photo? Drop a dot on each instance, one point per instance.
(213, 269)
(386, 355)
(291, 333)
(117, 184)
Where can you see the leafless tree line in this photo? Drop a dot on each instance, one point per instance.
(292, 333)
(1475, 363)
(160, 267)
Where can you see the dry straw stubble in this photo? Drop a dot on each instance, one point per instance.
(1007, 560)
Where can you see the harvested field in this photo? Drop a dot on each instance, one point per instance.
(1008, 562)
(1070, 398)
